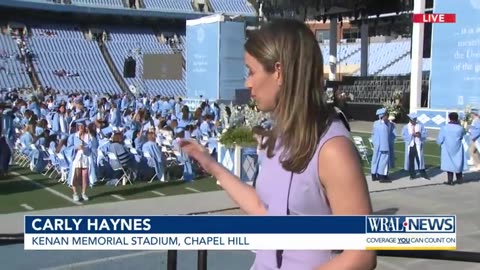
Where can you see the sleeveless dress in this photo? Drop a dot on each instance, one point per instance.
(307, 197)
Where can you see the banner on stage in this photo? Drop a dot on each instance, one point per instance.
(240, 232)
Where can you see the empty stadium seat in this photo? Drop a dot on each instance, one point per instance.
(12, 71)
(136, 42)
(65, 47)
(233, 7)
(169, 5)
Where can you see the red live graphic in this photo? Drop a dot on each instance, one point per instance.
(434, 18)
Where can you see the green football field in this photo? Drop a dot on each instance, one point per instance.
(28, 191)
(25, 190)
(431, 154)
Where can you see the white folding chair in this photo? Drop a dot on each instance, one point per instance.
(50, 167)
(171, 158)
(117, 166)
(151, 159)
(63, 167)
(362, 149)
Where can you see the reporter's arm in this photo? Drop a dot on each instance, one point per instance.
(242, 194)
(347, 192)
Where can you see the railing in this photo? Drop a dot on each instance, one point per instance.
(202, 255)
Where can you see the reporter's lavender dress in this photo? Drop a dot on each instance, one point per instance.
(307, 197)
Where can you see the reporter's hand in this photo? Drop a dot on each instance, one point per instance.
(197, 152)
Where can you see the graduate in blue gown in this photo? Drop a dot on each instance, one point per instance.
(60, 122)
(8, 128)
(82, 168)
(157, 160)
(450, 139)
(5, 151)
(383, 135)
(414, 135)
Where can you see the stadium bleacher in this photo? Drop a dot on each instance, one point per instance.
(169, 5)
(13, 74)
(136, 42)
(99, 3)
(65, 48)
(86, 62)
(232, 7)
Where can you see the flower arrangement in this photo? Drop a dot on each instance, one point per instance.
(466, 120)
(392, 108)
(238, 128)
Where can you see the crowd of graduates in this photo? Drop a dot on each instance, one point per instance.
(112, 138)
(126, 138)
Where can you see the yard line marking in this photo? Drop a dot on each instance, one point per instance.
(193, 190)
(158, 193)
(104, 260)
(61, 195)
(118, 197)
(26, 206)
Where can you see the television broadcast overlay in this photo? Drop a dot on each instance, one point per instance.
(240, 232)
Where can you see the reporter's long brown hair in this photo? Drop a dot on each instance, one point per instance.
(301, 115)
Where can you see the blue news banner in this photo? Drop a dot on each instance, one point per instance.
(240, 232)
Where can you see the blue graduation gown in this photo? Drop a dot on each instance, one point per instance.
(407, 138)
(382, 135)
(5, 155)
(87, 151)
(115, 118)
(188, 174)
(453, 153)
(8, 128)
(56, 125)
(159, 159)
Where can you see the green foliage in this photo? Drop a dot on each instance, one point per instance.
(241, 136)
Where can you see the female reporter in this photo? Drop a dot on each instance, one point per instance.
(299, 175)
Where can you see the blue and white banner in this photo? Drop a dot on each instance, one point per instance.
(455, 72)
(202, 58)
(239, 232)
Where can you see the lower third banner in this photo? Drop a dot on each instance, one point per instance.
(240, 232)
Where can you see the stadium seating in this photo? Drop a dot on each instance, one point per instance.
(12, 71)
(99, 3)
(67, 49)
(403, 66)
(136, 42)
(169, 5)
(232, 7)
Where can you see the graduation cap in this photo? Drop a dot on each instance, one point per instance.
(412, 116)
(81, 121)
(381, 112)
(474, 111)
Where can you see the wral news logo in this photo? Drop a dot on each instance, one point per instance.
(411, 224)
